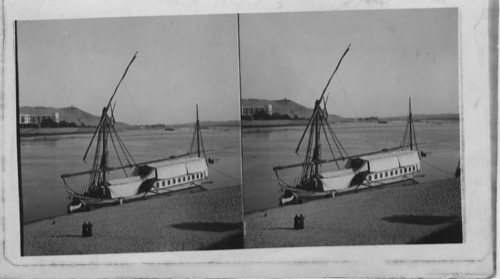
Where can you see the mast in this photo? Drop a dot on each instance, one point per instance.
(197, 131)
(107, 107)
(197, 139)
(409, 131)
(317, 143)
(410, 122)
(318, 122)
(104, 160)
(103, 132)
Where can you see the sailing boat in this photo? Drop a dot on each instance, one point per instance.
(370, 169)
(147, 178)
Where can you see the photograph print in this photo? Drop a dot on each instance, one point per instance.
(128, 135)
(350, 128)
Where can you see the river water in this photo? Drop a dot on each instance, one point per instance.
(44, 159)
(265, 148)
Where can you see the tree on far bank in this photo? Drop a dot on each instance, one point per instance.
(48, 123)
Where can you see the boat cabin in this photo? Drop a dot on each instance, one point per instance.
(375, 169)
(169, 173)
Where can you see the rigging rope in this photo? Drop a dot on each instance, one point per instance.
(336, 140)
(135, 106)
(223, 174)
(429, 164)
(95, 163)
(192, 142)
(118, 155)
(404, 136)
(123, 145)
(329, 145)
(355, 113)
(202, 144)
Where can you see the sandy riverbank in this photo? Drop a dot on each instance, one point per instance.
(197, 221)
(397, 214)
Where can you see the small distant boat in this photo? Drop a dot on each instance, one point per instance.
(146, 178)
(382, 122)
(371, 169)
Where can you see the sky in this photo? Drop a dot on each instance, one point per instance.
(181, 61)
(184, 60)
(394, 55)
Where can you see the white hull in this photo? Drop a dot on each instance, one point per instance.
(152, 192)
(376, 170)
(177, 187)
(158, 178)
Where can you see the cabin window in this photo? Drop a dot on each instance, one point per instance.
(382, 175)
(376, 176)
(184, 178)
(175, 180)
(168, 182)
(397, 172)
(369, 178)
(163, 183)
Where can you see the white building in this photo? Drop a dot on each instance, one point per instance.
(250, 111)
(25, 118)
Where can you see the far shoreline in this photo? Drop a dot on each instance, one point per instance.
(43, 132)
(258, 124)
(37, 132)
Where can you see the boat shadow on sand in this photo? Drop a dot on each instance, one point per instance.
(209, 226)
(280, 228)
(422, 219)
(68, 235)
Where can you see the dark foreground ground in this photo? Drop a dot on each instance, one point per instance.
(396, 214)
(199, 221)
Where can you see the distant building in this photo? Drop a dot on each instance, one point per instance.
(25, 118)
(250, 111)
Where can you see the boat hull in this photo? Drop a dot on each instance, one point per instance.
(149, 179)
(88, 202)
(302, 193)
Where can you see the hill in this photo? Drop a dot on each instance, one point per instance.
(285, 106)
(69, 114)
